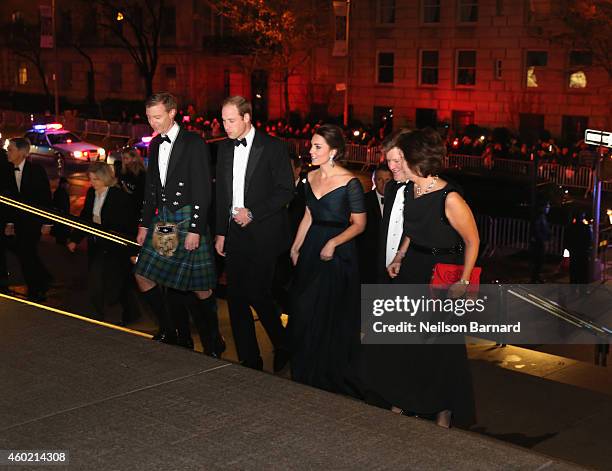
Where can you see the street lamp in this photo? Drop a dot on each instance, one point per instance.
(347, 64)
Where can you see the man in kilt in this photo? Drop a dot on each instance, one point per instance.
(176, 251)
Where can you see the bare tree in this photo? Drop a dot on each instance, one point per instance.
(281, 33)
(579, 24)
(136, 25)
(24, 42)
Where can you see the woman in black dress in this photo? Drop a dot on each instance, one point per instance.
(324, 308)
(131, 175)
(430, 380)
(111, 209)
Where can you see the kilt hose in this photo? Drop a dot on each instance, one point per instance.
(184, 270)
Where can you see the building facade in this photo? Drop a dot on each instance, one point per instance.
(410, 62)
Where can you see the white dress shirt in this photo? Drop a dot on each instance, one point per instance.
(380, 197)
(396, 225)
(97, 207)
(165, 149)
(19, 174)
(241, 159)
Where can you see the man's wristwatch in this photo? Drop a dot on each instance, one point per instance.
(250, 214)
(463, 282)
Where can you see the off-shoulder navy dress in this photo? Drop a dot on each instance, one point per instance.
(324, 317)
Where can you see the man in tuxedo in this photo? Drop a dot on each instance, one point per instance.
(254, 185)
(368, 241)
(26, 182)
(4, 283)
(392, 224)
(176, 251)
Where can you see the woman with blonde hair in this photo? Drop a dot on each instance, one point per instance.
(110, 209)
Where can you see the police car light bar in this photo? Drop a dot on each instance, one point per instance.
(43, 127)
(598, 138)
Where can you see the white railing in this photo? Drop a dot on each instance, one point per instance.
(511, 233)
(463, 161)
(515, 167)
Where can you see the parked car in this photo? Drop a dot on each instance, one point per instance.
(497, 194)
(55, 142)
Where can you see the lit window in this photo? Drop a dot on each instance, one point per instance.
(468, 11)
(22, 75)
(466, 68)
(386, 11)
(429, 67)
(386, 61)
(578, 80)
(431, 11)
(578, 62)
(534, 60)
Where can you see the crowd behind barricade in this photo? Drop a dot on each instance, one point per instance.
(472, 140)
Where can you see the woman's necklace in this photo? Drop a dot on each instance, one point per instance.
(428, 188)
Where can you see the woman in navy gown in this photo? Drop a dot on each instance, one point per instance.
(324, 311)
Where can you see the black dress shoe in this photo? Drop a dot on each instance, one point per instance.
(158, 335)
(254, 364)
(186, 342)
(221, 346)
(281, 358)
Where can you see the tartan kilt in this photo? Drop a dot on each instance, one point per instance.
(184, 270)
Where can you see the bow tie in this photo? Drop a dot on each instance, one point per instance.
(166, 139)
(17, 169)
(382, 200)
(238, 142)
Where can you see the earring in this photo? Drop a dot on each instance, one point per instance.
(331, 160)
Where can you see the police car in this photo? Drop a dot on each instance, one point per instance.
(142, 146)
(52, 140)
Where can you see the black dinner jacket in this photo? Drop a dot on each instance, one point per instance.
(368, 242)
(188, 180)
(117, 215)
(35, 190)
(268, 189)
(390, 194)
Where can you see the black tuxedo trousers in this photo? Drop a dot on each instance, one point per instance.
(249, 283)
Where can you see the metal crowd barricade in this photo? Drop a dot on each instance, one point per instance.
(512, 233)
(463, 161)
(515, 167)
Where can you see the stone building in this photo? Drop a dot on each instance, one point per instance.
(410, 62)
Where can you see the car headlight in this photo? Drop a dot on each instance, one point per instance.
(102, 152)
(77, 154)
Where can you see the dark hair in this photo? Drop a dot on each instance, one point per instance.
(391, 140)
(240, 102)
(297, 161)
(382, 168)
(164, 98)
(21, 143)
(423, 150)
(334, 137)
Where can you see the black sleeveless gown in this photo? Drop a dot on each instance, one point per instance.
(423, 379)
(324, 314)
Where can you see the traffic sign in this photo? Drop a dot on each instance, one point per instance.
(598, 138)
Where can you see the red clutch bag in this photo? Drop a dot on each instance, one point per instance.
(445, 274)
